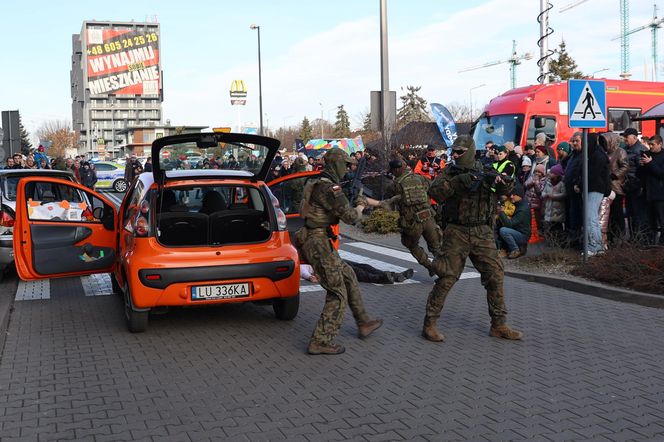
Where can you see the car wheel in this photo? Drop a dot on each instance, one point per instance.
(286, 308)
(137, 321)
(115, 286)
(120, 186)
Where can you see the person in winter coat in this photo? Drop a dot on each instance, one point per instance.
(526, 168)
(564, 150)
(542, 158)
(652, 170)
(599, 186)
(618, 169)
(429, 165)
(553, 200)
(573, 202)
(637, 209)
(88, 176)
(39, 155)
(534, 186)
(514, 232)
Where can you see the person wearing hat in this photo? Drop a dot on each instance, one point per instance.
(514, 232)
(323, 205)
(471, 199)
(502, 164)
(526, 168)
(563, 149)
(553, 198)
(637, 210)
(542, 158)
(429, 165)
(618, 169)
(416, 217)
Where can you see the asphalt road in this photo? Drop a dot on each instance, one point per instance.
(588, 369)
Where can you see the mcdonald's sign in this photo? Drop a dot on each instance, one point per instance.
(238, 89)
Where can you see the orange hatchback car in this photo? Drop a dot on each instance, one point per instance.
(181, 237)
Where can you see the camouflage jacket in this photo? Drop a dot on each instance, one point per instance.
(473, 205)
(324, 204)
(411, 197)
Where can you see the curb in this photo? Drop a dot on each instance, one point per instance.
(575, 285)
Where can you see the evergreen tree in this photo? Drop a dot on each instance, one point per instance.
(26, 145)
(306, 132)
(342, 125)
(563, 68)
(413, 107)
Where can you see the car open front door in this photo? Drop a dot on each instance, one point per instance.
(62, 229)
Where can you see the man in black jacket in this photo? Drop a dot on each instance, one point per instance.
(651, 169)
(637, 210)
(573, 203)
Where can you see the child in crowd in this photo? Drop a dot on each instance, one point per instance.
(553, 198)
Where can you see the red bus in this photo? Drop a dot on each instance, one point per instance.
(519, 114)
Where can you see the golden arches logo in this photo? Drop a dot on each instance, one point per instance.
(238, 89)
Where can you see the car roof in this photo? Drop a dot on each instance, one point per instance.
(35, 172)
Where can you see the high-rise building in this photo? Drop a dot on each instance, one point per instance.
(116, 83)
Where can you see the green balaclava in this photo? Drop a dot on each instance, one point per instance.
(467, 160)
(336, 161)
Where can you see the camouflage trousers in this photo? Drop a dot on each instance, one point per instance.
(477, 243)
(410, 238)
(340, 282)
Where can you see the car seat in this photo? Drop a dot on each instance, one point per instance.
(212, 202)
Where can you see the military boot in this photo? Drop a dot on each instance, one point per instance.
(325, 349)
(367, 327)
(505, 332)
(430, 332)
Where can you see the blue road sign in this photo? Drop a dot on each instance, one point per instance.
(587, 103)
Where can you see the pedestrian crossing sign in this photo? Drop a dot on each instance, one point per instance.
(587, 103)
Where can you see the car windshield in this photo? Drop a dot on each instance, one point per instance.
(230, 156)
(499, 129)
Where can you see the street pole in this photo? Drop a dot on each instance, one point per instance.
(471, 98)
(584, 179)
(112, 126)
(260, 84)
(384, 85)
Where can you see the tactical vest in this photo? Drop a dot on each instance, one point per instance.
(413, 192)
(315, 215)
(470, 209)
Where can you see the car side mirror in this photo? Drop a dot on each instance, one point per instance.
(540, 123)
(98, 213)
(105, 215)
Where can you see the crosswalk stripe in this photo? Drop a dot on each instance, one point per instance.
(404, 256)
(381, 265)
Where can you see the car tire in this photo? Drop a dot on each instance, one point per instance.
(137, 321)
(120, 186)
(286, 309)
(115, 286)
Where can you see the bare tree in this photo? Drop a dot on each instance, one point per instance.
(462, 112)
(61, 136)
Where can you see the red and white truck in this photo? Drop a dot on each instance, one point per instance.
(518, 114)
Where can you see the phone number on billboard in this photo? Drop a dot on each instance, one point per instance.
(125, 43)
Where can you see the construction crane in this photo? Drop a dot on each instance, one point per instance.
(624, 39)
(655, 24)
(514, 60)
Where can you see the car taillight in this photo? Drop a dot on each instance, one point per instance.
(282, 222)
(142, 222)
(6, 220)
(275, 201)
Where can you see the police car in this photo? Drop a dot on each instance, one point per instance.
(110, 175)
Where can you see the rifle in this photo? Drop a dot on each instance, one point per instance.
(488, 174)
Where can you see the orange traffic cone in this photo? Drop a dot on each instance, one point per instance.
(534, 234)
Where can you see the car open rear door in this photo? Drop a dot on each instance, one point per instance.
(62, 229)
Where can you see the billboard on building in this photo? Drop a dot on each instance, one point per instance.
(122, 59)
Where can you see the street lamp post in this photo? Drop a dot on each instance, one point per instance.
(260, 86)
(471, 97)
(597, 72)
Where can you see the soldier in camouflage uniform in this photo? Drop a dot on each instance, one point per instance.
(323, 205)
(416, 217)
(471, 209)
(294, 187)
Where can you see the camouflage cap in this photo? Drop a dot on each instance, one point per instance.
(336, 154)
(463, 142)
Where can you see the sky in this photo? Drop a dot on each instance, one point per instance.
(315, 55)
